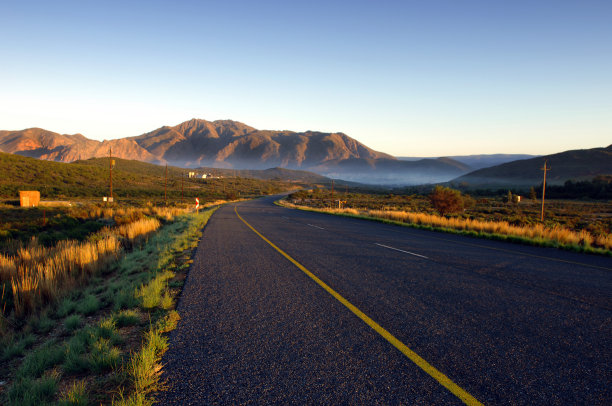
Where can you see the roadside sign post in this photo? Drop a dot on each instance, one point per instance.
(197, 206)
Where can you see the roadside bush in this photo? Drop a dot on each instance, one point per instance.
(446, 200)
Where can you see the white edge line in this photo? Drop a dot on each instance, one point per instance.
(405, 252)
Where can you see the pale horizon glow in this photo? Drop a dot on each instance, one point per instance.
(438, 78)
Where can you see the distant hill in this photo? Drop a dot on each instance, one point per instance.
(90, 178)
(234, 145)
(56, 179)
(582, 164)
(480, 161)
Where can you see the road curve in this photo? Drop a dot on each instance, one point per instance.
(504, 323)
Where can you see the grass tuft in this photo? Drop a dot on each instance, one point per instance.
(42, 324)
(89, 305)
(152, 294)
(76, 395)
(169, 322)
(144, 369)
(75, 361)
(73, 322)
(126, 318)
(12, 348)
(65, 308)
(125, 299)
(33, 392)
(41, 359)
(103, 355)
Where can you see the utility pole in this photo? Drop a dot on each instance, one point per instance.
(182, 196)
(110, 171)
(166, 187)
(332, 189)
(545, 168)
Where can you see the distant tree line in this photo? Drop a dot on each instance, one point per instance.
(598, 188)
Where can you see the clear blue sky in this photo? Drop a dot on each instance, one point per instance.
(413, 78)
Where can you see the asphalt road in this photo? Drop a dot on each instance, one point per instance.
(507, 324)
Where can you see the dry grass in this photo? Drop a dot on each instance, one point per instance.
(125, 215)
(137, 229)
(34, 275)
(557, 234)
(38, 274)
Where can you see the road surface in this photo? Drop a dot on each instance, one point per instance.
(333, 310)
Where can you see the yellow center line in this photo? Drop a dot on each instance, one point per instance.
(413, 356)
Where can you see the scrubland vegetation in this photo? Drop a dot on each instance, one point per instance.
(83, 320)
(133, 181)
(577, 225)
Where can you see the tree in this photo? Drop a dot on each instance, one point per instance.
(446, 200)
(532, 194)
(468, 202)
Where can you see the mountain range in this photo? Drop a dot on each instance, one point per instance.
(231, 144)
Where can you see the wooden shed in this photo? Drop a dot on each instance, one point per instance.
(29, 198)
